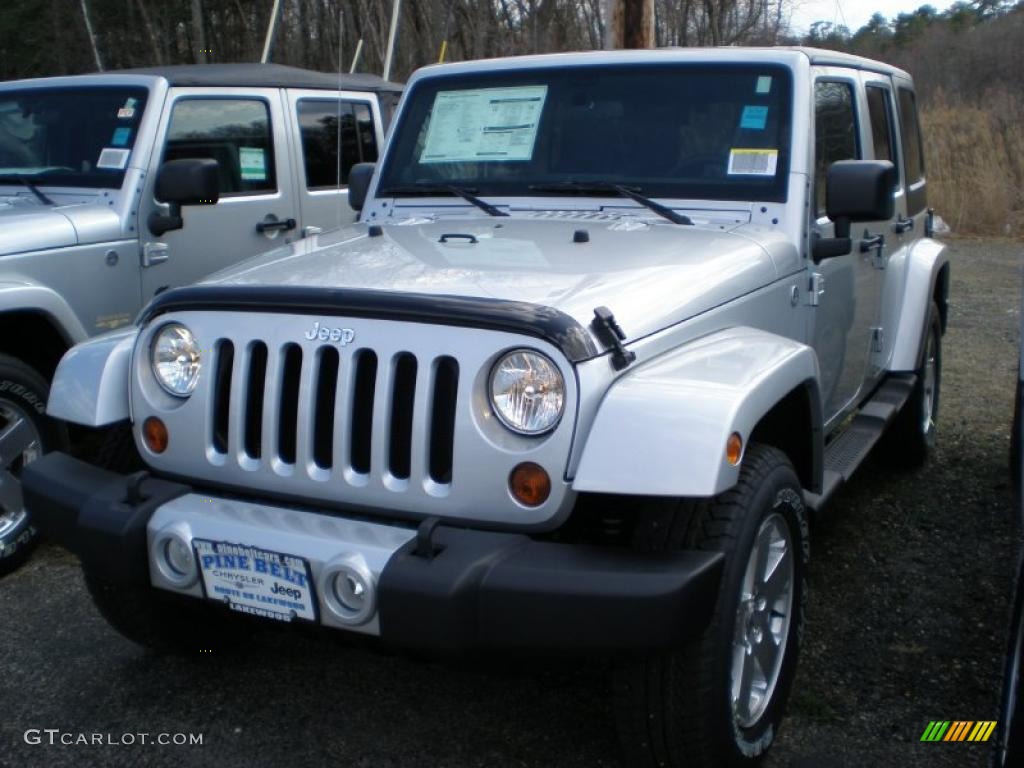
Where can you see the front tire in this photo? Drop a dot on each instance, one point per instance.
(26, 433)
(719, 700)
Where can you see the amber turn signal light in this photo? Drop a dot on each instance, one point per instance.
(734, 448)
(529, 484)
(154, 434)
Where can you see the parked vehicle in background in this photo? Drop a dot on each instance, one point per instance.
(610, 326)
(1009, 749)
(94, 170)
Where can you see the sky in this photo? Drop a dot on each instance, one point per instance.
(852, 13)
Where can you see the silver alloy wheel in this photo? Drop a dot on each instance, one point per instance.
(928, 415)
(20, 443)
(763, 619)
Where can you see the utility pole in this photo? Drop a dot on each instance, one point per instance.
(268, 43)
(92, 37)
(392, 34)
(629, 24)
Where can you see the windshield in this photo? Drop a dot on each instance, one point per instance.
(79, 137)
(687, 131)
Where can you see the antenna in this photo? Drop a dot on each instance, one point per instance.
(341, 29)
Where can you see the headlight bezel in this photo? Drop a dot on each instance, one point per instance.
(155, 340)
(496, 409)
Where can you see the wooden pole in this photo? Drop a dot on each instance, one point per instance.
(629, 24)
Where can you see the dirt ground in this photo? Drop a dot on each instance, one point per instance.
(906, 624)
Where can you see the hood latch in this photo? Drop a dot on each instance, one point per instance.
(612, 335)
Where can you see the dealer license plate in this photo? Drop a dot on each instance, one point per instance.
(256, 581)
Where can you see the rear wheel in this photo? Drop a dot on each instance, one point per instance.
(26, 433)
(912, 435)
(719, 700)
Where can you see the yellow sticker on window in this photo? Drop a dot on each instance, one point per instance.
(753, 162)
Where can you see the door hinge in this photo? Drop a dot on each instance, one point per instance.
(816, 289)
(878, 339)
(154, 253)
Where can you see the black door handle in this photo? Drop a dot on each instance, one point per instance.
(275, 226)
(871, 241)
(902, 225)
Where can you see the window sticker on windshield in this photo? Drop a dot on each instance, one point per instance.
(115, 159)
(484, 125)
(753, 162)
(121, 136)
(754, 118)
(764, 84)
(254, 163)
(126, 113)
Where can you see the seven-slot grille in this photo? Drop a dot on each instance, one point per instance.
(330, 411)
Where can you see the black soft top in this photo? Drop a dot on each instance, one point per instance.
(262, 76)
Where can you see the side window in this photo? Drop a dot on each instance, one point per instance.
(835, 132)
(881, 123)
(325, 125)
(913, 155)
(234, 132)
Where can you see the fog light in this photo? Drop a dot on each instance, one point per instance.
(530, 484)
(171, 553)
(348, 588)
(179, 557)
(154, 434)
(734, 448)
(350, 591)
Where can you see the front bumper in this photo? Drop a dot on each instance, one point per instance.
(465, 589)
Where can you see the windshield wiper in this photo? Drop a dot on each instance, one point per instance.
(450, 189)
(25, 182)
(599, 187)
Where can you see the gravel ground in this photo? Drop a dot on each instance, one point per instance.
(908, 607)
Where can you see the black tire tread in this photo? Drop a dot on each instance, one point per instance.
(644, 687)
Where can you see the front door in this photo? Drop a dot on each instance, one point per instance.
(245, 134)
(845, 320)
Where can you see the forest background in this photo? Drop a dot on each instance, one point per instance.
(967, 60)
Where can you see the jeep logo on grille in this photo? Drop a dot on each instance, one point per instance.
(341, 335)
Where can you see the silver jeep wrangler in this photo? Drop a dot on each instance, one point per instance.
(94, 172)
(610, 325)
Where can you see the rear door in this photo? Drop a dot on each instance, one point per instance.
(246, 133)
(334, 132)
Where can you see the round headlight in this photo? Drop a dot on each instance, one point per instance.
(527, 392)
(176, 359)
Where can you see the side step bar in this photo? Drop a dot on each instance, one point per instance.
(848, 450)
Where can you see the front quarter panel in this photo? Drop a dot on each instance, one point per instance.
(90, 386)
(662, 429)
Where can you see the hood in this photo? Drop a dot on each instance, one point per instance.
(650, 274)
(27, 225)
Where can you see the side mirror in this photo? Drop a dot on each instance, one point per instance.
(358, 183)
(855, 190)
(190, 181)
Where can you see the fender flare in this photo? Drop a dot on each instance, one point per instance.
(32, 297)
(661, 430)
(90, 386)
(925, 262)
